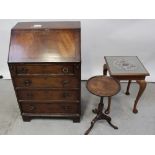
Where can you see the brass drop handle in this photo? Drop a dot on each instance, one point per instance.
(77, 66)
(65, 70)
(11, 67)
(22, 70)
(29, 95)
(27, 83)
(65, 83)
(66, 94)
(31, 108)
(66, 107)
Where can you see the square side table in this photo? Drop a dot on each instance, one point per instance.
(127, 68)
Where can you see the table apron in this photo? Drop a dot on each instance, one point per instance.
(129, 77)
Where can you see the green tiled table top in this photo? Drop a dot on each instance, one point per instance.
(125, 65)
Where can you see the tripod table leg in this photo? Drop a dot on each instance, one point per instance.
(92, 124)
(105, 69)
(108, 119)
(128, 87)
(107, 111)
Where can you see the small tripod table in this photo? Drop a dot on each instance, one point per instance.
(127, 68)
(102, 86)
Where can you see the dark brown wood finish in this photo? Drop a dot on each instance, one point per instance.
(42, 94)
(102, 86)
(48, 108)
(44, 45)
(45, 65)
(47, 82)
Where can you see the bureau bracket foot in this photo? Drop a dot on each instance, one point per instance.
(76, 120)
(26, 118)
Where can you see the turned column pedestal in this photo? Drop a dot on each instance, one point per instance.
(102, 86)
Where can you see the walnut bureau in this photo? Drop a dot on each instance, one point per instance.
(45, 65)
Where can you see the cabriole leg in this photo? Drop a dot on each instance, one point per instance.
(105, 69)
(142, 86)
(128, 88)
(26, 118)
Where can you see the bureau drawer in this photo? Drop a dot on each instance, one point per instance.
(47, 82)
(53, 108)
(48, 95)
(49, 69)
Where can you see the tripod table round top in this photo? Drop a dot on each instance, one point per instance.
(103, 86)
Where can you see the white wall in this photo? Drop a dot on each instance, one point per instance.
(101, 38)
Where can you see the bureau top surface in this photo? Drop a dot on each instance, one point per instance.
(45, 42)
(47, 25)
